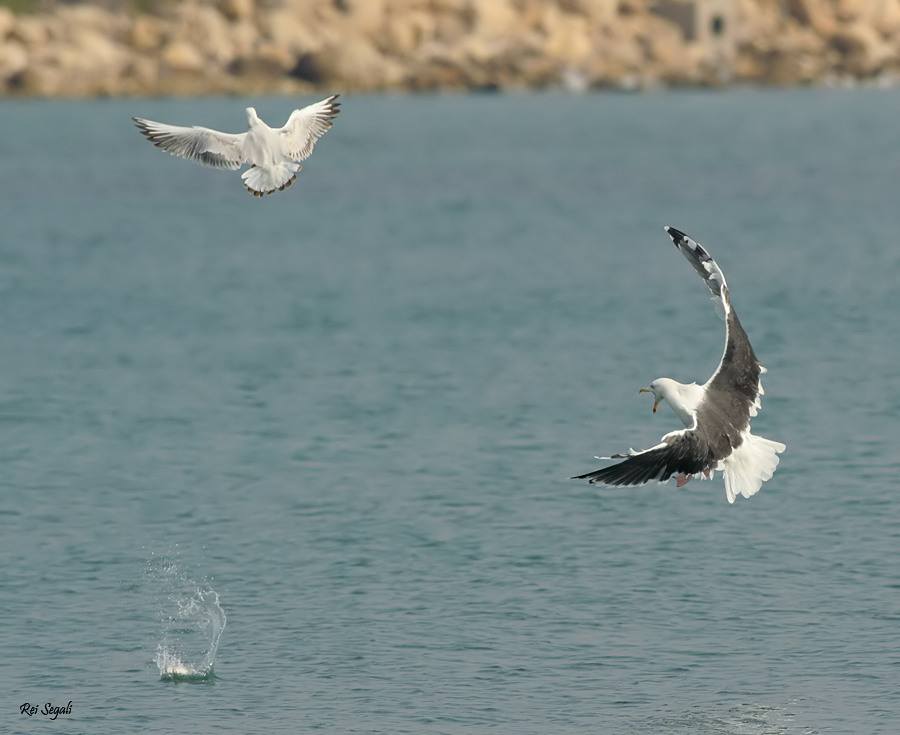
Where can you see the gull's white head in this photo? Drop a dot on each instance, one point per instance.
(662, 389)
(684, 398)
(252, 117)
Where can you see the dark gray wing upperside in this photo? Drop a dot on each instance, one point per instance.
(734, 387)
(733, 390)
(684, 451)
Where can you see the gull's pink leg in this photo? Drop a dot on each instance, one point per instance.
(682, 479)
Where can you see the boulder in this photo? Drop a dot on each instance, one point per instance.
(13, 59)
(567, 37)
(365, 17)
(146, 33)
(816, 13)
(182, 56)
(863, 51)
(357, 65)
(495, 19)
(7, 22)
(298, 33)
(240, 11)
(99, 19)
(31, 30)
(206, 29)
(406, 34)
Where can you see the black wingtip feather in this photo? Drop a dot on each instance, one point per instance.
(677, 235)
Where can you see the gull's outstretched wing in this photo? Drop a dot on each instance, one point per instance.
(206, 146)
(706, 267)
(735, 384)
(304, 127)
(683, 451)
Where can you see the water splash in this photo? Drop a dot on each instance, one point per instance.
(191, 623)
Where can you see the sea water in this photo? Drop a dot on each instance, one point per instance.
(345, 416)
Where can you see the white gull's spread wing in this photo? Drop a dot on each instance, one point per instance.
(304, 127)
(273, 154)
(717, 414)
(206, 146)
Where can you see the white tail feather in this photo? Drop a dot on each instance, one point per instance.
(261, 180)
(750, 465)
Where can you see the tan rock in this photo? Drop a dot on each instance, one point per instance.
(42, 81)
(147, 33)
(406, 34)
(797, 55)
(73, 17)
(98, 54)
(756, 20)
(286, 28)
(13, 59)
(851, 9)
(7, 21)
(450, 28)
(496, 19)
(241, 11)
(568, 38)
(862, 49)
(618, 54)
(675, 59)
(276, 57)
(365, 17)
(883, 15)
(817, 13)
(355, 65)
(206, 29)
(887, 20)
(243, 38)
(31, 30)
(597, 11)
(449, 6)
(143, 74)
(182, 56)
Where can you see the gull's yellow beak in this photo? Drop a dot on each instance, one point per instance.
(656, 404)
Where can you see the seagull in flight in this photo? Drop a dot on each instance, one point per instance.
(273, 153)
(716, 415)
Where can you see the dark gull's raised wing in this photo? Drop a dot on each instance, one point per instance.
(682, 451)
(206, 146)
(734, 388)
(705, 266)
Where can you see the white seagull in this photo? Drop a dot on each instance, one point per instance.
(717, 414)
(273, 153)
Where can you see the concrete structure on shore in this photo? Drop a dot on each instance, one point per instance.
(297, 46)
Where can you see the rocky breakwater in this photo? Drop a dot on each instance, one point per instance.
(290, 46)
(808, 41)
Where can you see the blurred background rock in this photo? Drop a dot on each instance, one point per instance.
(82, 49)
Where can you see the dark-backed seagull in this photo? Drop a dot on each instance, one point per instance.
(717, 414)
(273, 153)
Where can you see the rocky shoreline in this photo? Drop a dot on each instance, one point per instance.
(298, 46)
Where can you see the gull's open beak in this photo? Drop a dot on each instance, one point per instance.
(656, 404)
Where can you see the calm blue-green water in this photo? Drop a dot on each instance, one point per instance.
(349, 412)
